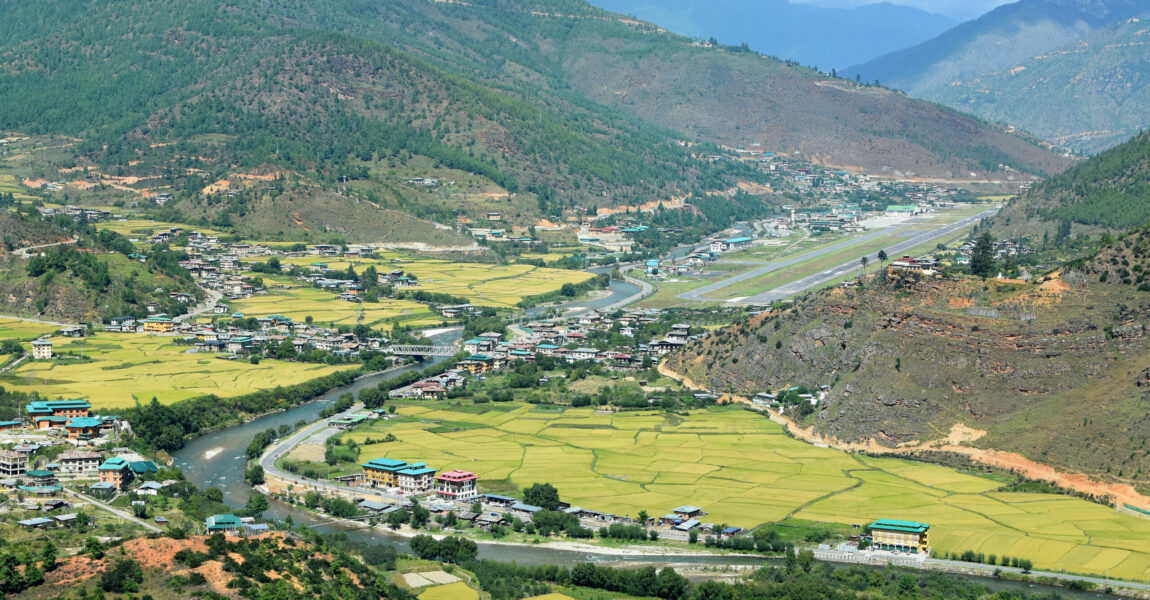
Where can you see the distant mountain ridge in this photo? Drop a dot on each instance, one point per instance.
(540, 104)
(812, 35)
(995, 41)
(1088, 95)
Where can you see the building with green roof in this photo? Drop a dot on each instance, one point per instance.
(900, 536)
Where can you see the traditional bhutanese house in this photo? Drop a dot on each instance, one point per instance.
(58, 408)
(139, 468)
(116, 471)
(159, 325)
(6, 425)
(497, 500)
(488, 520)
(380, 472)
(477, 363)
(688, 512)
(457, 484)
(83, 428)
(416, 478)
(902, 536)
(40, 477)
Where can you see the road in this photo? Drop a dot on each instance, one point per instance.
(30, 251)
(42, 322)
(115, 511)
(812, 281)
(286, 445)
(208, 304)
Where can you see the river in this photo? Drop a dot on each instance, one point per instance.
(219, 458)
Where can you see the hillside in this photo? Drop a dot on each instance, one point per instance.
(1107, 192)
(547, 104)
(1089, 95)
(976, 67)
(1053, 371)
(812, 35)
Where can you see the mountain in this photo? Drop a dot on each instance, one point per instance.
(811, 35)
(1110, 192)
(1054, 371)
(996, 43)
(527, 106)
(1089, 95)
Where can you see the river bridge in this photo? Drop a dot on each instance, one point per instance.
(414, 350)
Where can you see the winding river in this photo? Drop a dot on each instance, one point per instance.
(219, 458)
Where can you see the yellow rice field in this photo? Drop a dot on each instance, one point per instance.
(127, 368)
(742, 469)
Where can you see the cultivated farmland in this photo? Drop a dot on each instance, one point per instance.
(298, 302)
(16, 329)
(125, 368)
(743, 470)
(482, 284)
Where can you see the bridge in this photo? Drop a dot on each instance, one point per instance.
(411, 350)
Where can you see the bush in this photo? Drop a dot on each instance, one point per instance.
(124, 576)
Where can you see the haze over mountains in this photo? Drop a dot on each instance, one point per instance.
(1072, 71)
(825, 37)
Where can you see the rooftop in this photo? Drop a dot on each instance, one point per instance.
(897, 525)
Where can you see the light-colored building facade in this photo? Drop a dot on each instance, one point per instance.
(901, 536)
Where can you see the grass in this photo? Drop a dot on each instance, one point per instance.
(126, 368)
(16, 329)
(298, 303)
(500, 286)
(743, 470)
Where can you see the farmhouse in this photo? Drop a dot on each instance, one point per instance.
(458, 485)
(42, 349)
(901, 536)
(12, 463)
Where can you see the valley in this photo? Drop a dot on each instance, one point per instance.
(365, 299)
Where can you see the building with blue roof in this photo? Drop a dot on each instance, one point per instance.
(381, 472)
(58, 408)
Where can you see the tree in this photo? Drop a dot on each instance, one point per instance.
(256, 505)
(982, 257)
(48, 557)
(124, 576)
(693, 537)
(881, 257)
(862, 262)
(254, 475)
(542, 494)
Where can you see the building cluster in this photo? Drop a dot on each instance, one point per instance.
(76, 212)
(112, 470)
(411, 479)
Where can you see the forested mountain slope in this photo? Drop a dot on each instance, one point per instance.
(1054, 370)
(996, 41)
(552, 99)
(1110, 191)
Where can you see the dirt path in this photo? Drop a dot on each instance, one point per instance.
(955, 443)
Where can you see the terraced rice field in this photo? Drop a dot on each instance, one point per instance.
(127, 227)
(324, 307)
(741, 468)
(15, 329)
(126, 368)
(481, 284)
